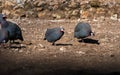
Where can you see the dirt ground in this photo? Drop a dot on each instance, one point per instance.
(34, 56)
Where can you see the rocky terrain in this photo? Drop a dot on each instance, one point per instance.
(59, 9)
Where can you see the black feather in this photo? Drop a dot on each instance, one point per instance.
(13, 29)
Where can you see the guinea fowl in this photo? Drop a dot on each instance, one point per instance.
(82, 30)
(54, 34)
(13, 29)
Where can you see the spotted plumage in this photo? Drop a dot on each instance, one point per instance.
(82, 30)
(54, 34)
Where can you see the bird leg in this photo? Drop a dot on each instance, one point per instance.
(13, 41)
(10, 45)
(10, 41)
(53, 43)
(82, 40)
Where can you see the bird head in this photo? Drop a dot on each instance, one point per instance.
(92, 34)
(2, 17)
(62, 29)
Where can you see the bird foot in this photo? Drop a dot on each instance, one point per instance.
(53, 44)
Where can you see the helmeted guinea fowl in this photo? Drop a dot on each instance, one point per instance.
(4, 36)
(13, 29)
(82, 30)
(54, 34)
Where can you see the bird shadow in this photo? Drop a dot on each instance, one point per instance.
(15, 45)
(89, 40)
(19, 47)
(59, 44)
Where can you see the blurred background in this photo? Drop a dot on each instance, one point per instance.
(59, 9)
